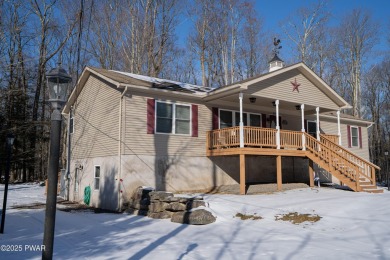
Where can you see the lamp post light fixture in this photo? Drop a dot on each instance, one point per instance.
(10, 143)
(58, 82)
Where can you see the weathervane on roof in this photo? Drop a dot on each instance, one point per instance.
(276, 46)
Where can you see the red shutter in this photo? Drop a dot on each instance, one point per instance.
(215, 118)
(263, 120)
(194, 109)
(360, 137)
(349, 135)
(150, 116)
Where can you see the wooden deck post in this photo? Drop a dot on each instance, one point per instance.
(311, 173)
(279, 172)
(242, 174)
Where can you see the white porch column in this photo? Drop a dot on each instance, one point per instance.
(338, 127)
(303, 126)
(277, 125)
(318, 123)
(241, 122)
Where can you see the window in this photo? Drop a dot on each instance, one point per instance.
(354, 136)
(97, 178)
(173, 118)
(312, 128)
(229, 118)
(76, 179)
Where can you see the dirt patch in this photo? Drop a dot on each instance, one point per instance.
(81, 208)
(266, 188)
(296, 218)
(30, 206)
(247, 216)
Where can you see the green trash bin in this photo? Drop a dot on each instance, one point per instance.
(87, 195)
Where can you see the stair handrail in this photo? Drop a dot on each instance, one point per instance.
(334, 159)
(350, 153)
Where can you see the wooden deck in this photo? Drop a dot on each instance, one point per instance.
(354, 171)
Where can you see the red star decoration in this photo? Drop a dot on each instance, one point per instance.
(295, 85)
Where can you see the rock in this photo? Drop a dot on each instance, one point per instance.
(160, 215)
(142, 193)
(160, 195)
(141, 205)
(196, 217)
(158, 206)
(173, 199)
(176, 206)
(192, 204)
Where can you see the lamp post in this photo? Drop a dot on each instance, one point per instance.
(10, 143)
(387, 169)
(58, 82)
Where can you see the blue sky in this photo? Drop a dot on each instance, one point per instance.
(275, 11)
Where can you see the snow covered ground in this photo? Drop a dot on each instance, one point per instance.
(353, 226)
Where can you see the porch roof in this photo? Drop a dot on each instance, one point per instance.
(247, 86)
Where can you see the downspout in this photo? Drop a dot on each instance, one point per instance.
(120, 152)
(67, 175)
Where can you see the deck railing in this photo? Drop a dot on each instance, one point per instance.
(366, 168)
(333, 138)
(337, 157)
(230, 137)
(253, 137)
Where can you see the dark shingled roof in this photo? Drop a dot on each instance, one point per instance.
(275, 58)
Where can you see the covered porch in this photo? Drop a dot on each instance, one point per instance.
(341, 163)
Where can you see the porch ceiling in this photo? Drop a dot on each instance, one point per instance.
(265, 104)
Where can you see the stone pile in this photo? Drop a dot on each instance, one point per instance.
(164, 205)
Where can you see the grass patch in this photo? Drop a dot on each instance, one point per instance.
(296, 218)
(246, 217)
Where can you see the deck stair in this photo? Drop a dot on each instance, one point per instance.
(352, 170)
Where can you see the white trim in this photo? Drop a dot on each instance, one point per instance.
(174, 104)
(338, 126)
(241, 122)
(318, 123)
(277, 125)
(303, 127)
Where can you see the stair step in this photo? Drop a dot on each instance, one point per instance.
(368, 186)
(362, 183)
(373, 190)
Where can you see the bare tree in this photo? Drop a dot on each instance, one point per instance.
(357, 35)
(306, 30)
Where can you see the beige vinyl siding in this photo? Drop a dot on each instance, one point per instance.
(362, 152)
(280, 87)
(96, 117)
(329, 126)
(137, 141)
